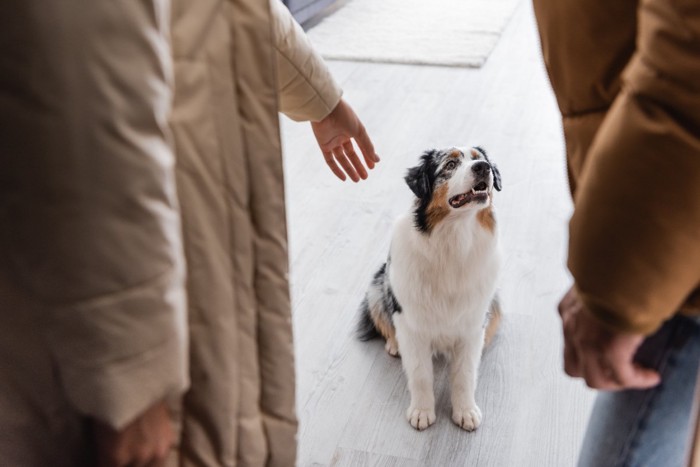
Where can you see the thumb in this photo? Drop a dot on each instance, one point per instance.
(643, 378)
(632, 375)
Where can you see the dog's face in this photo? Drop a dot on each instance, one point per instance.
(452, 182)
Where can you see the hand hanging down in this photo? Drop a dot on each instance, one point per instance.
(335, 134)
(602, 357)
(146, 441)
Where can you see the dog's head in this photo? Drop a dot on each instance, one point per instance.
(451, 182)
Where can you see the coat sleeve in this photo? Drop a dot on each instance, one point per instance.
(307, 90)
(91, 226)
(634, 246)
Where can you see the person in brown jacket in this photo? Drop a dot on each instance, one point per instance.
(626, 75)
(98, 342)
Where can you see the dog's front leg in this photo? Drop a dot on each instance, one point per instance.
(463, 374)
(417, 361)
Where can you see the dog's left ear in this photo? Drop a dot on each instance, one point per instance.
(496, 173)
(496, 177)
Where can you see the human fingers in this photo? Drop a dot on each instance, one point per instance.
(143, 459)
(597, 372)
(128, 451)
(600, 372)
(330, 162)
(144, 442)
(157, 462)
(158, 455)
(571, 363)
(345, 163)
(592, 361)
(148, 459)
(160, 438)
(629, 375)
(642, 378)
(568, 303)
(571, 358)
(366, 147)
(617, 363)
(147, 448)
(369, 160)
(354, 160)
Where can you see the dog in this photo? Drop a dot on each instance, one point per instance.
(436, 293)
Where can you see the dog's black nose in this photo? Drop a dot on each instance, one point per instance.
(481, 168)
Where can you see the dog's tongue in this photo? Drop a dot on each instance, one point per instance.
(468, 197)
(461, 200)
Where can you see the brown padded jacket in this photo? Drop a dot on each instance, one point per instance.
(626, 75)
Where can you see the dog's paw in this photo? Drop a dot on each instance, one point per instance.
(420, 419)
(467, 418)
(392, 347)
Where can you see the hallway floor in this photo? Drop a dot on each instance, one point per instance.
(352, 396)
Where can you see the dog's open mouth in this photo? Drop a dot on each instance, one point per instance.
(478, 193)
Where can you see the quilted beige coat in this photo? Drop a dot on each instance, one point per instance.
(240, 408)
(98, 213)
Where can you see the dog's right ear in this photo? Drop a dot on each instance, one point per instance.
(417, 181)
(418, 178)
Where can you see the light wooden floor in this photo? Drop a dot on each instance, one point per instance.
(351, 395)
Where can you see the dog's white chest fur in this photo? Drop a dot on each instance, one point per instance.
(444, 281)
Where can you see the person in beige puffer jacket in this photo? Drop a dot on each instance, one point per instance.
(100, 216)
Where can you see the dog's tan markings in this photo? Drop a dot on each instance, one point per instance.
(386, 329)
(494, 320)
(437, 209)
(475, 154)
(456, 153)
(487, 219)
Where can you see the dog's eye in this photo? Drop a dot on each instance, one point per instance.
(450, 165)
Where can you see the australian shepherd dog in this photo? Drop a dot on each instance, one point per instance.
(436, 293)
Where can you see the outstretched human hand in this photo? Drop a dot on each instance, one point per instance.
(602, 357)
(335, 134)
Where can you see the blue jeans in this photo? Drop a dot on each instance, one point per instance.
(652, 427)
